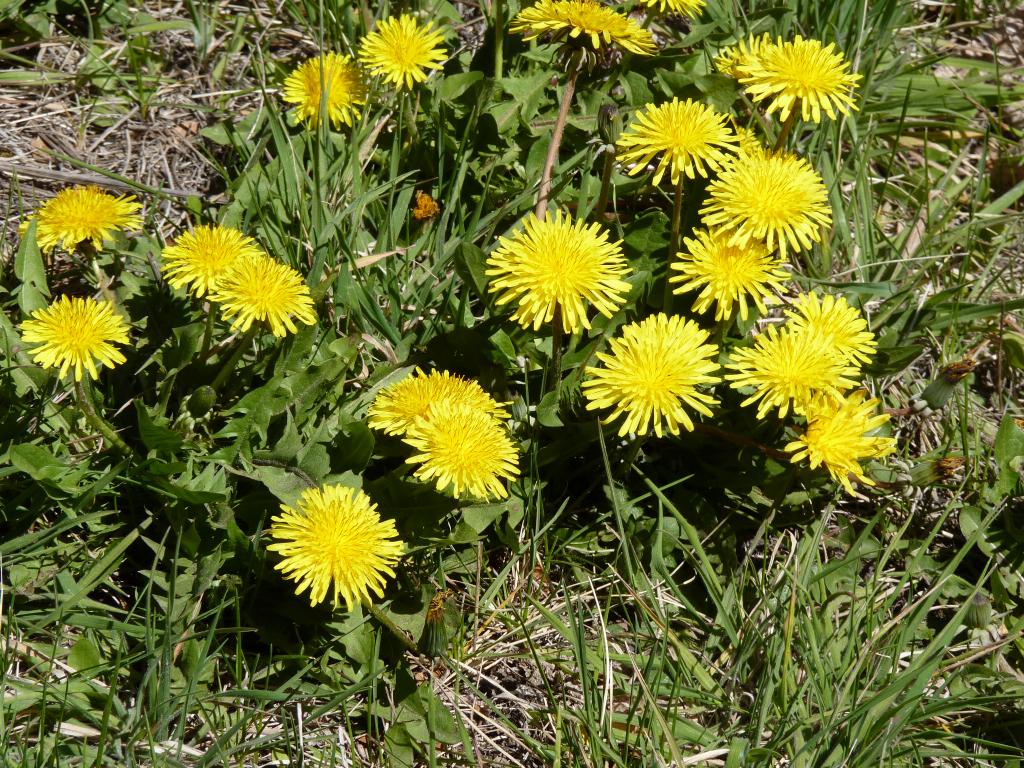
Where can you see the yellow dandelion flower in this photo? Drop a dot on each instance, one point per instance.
(839, 325)
(687, 7)
(402, 50)
(691, 138)
(745, 52)
(200, 258)
(398, 406)
(260, 288)
(76, 333)
(334, 540)
(584, 19)
(749, 145)
(800, 71)
(464, 450)
(333, 78)
(83, 213)
(554, 262)
(787, 368)
(777, 198)
(652, 370)
(727, 274)
(839, 435)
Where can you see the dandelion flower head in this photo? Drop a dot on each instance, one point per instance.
(333, 540)
(585, 19)
(200, 258)
(690, 8)
(78, 214)
(749, 145)
(787, 368)
(555, 262)
(463, 450)
(691, 138)
(777, 198)
(398, 406)
(728, 275)
(260, 288)
(333, 78)
(744, 53)
(401, 50)
(801, 71)
(840, 434)
(840, 326)
(651, 375)
(76, 333)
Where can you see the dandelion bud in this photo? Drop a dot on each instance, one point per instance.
(933, 471)
(202, 401)
(434, 641)
(937, 394)
(609, 123)
(979, 613)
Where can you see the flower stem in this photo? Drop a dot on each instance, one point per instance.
(634, 450)
(787, 126)
(499, 36)
(83, 394)
(556, 139)
(741, 440)
(556, 349)
(229, 366)
(393, 628)
(673, 243)
(606, 185)
(208, 332)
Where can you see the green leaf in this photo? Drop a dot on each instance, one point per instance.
(526, 94)
(1009, 448)
(29, 269)
(547, 411)
(1013, 350)
(720, 91)
(648, 235)
(36, 461)
(352, 447)
(893, 359)
(480, 516)
(471, 266)
(84, 654)
(156, 436)
(453, 86)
